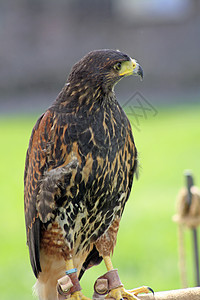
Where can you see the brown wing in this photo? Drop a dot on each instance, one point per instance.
(32, 176)
(45, 170)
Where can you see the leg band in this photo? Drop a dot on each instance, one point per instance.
(76, 285)
(71, 271)
(104, 284)
(63, 286)
(68, 284)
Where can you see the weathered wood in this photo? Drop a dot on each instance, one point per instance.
(183, 294)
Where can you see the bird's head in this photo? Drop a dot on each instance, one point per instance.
(105, 68)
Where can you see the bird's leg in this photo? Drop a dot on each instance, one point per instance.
(119, 293)
(108, 263)
(75, 291)
(69, 264)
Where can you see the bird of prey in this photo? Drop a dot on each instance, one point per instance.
(79, 171)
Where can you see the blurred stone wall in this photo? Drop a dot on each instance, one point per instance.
(42, 39)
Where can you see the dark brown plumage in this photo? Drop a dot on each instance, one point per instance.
(79, 171)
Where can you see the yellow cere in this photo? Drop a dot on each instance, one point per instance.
(128, 67)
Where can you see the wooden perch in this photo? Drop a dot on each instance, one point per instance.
(184, 294)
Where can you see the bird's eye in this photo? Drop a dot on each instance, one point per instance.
(118, 66)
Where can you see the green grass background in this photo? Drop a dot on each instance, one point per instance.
(146, 251)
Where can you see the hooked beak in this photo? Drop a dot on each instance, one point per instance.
(137, 69)
(131, 67)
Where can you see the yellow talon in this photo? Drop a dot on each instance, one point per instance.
(120, 293)
(139, 290)
(78, 296)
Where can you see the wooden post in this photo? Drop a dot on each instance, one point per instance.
(183, 294)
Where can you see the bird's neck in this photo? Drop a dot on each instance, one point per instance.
(75, 96)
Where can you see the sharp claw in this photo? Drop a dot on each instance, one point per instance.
(151, 290)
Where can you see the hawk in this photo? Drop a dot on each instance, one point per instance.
(79, 170)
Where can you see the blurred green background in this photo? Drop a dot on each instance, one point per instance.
(42, 40)
(146, 251)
